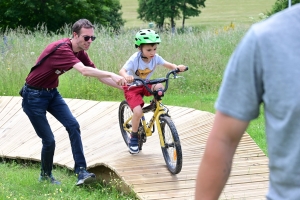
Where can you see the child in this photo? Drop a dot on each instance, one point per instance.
(142, 65)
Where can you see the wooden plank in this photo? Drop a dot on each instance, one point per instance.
(185, 184)
(189, 194)
(11, 140)
(4, 100)
(168, 194)
(243, 194)
(10, 110)
(13, 121)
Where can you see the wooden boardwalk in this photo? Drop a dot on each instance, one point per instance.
(145, 173)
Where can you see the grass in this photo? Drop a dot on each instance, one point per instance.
(19, 180)
(205, 50)
(216, 13)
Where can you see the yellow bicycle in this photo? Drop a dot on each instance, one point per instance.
(161, 119)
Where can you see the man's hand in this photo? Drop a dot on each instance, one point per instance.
(120, 80)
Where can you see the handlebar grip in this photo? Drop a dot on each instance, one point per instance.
(186, 68)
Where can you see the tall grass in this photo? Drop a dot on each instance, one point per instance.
(206, 54)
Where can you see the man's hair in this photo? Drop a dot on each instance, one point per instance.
(82, 23)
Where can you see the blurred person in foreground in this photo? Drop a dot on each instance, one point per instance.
(40, 95)
(263, 70)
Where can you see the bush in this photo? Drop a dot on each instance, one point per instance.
(281, 5)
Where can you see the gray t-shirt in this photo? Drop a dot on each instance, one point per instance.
(265, 68)
(136, 67)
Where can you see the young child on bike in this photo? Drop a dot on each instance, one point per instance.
(141, 65)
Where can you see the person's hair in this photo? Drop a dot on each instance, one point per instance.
(143, 44)
(82, 23)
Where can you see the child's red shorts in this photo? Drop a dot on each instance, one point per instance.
(134, 95)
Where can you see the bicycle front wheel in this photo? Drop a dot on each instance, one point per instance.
(172, 151)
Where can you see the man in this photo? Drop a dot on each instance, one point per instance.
(40, 95)
(263, 69)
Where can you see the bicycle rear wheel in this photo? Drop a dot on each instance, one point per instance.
(172, 151)
(125, 113)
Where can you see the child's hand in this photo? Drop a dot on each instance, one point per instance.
(129, 79)
(182, 68)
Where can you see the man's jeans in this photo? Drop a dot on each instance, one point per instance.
(35, 104)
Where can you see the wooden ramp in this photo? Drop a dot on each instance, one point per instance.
(145, 173)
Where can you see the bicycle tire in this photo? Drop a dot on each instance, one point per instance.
(125, 112)
(172, 151)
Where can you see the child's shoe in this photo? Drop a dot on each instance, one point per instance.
(133, 145)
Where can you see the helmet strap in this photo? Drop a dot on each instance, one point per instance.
(141, 49)
(143, 56)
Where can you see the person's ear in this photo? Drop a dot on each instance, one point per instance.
(75, 34)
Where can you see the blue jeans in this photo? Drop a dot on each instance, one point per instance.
(35, 104)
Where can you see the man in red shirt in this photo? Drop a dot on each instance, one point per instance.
(40, 95)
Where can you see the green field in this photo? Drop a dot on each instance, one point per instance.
(215, 13)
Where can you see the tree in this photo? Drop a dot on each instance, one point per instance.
(174, 12)
(158, 12)
(56, 13)
(150, 10)
(280, 5)
(190, 8)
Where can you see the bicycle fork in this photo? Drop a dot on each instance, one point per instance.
(154, 121)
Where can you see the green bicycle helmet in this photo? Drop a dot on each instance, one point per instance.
(146, 36)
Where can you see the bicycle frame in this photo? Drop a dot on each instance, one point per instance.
(160, 110)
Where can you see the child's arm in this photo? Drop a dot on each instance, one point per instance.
(123, 72)
(172, 66)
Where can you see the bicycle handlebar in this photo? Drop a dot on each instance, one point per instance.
(158, 80)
